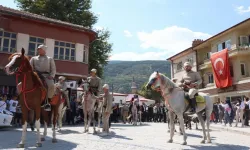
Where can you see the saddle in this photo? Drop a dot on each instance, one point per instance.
(200, 102)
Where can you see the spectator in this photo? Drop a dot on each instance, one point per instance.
(246, 112)
(12, 106)
(3, 104)
(239, 113)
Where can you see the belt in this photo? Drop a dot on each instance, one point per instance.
(42, 72)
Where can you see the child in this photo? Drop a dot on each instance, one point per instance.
(13, 106)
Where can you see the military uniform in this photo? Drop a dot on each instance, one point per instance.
(45, 67)
(107, 108)
(95, 85)
(188, 78)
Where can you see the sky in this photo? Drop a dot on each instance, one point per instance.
(158, 29)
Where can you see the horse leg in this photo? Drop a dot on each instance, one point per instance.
(31, 119)
(171, 117)
(46, 119)
(181, 121)
(99, 121)
(196, 125)
(60, 116)
(89, 120)
(208, 124)
(24, 126)
(38, 113)
(94, 122)
(55, 115)
(85, 120)
(199, 114)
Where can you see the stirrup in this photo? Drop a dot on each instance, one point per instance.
(47, 107)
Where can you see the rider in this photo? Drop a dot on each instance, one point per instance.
(63, 88)
(94, 83)
(190, 82)
(46, 70)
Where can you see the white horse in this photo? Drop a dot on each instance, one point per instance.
(178, 105)
(135, 112)
(88, 100)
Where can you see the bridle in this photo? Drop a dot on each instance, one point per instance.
(19, 71)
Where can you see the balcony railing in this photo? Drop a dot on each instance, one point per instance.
(235, 51)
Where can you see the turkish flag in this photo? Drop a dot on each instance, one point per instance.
(221, 69)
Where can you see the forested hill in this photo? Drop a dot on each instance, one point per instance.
(121, 73)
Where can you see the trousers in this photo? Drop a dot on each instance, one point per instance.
(105, 121)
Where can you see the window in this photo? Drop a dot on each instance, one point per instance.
(207, 56)
(226, 44)
(190, 60)
(33, 44)
(7, 41)
(85, 54)
(244, 40)
(243, 69)
(210, 78)
(64, 51)
(179, 66)
(231, 71)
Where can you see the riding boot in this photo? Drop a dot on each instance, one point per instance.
(192, 104)
(47, 106)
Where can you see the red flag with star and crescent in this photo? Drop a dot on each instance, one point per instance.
(221, 69)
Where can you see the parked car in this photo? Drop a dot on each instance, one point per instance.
(5, 118)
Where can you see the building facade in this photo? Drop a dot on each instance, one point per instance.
(237, 40)
(67, 43)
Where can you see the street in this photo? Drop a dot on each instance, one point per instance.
(149, 136)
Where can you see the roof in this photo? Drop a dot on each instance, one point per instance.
(244, 21)
(23, 14)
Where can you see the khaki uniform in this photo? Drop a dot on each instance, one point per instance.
(190, 77)
(95, 85)
(124, 111)
(107, 107)
(46, 66)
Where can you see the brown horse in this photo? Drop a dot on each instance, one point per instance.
(31, 93)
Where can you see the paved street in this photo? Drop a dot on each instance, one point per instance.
(146, 137)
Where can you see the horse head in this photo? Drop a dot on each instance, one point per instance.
(154, 81)
(85, 85)
(18, 63)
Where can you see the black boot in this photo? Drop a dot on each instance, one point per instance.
(47, 106)
(193, 104)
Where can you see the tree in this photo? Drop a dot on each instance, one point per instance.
(150, 94)
(99, 51)
(76, 12)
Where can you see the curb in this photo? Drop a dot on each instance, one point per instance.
(232, 130)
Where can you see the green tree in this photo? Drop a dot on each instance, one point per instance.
(76, 12)
(150, 94)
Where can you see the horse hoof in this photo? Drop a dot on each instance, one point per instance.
(20, 146)
(203, 142)
(54, 140)
(170, 141)
(42, 139)
(184, 143)
(209, 141)
(38, 144)
(181, 133)
(168, 131)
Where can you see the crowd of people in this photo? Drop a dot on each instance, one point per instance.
(226, 112)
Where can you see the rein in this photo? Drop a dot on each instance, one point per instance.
(23, 89)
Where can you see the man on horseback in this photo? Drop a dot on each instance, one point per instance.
(45, 67)
(190, 83)
(94, 83)
(63, 89)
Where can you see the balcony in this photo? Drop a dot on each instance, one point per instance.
(235, 51)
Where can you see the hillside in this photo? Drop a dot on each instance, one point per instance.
(121, 73)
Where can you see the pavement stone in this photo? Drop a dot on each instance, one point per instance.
(242, 130)
(149, 136)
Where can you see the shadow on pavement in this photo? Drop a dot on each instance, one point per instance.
(10, 140)
(114, 135)
(128, 125)
(220, 147)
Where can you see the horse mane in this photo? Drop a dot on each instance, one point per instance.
(35, 78)
(169, 83)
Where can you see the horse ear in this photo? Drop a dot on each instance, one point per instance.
(23, 51)
(157, 72)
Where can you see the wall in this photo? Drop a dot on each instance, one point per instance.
(178, 74)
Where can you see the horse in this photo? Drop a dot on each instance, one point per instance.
(99, 111)
(88, 100)
(31, 93)
(177, 104)
(61, 110)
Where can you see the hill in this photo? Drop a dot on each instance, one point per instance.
(121, 73)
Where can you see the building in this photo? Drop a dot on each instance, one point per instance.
(67, 43)
(237, 40)
(133, 87)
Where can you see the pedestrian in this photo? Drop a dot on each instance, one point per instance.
(246, 112)
(229, 115)
(239, 113)
(107, 109)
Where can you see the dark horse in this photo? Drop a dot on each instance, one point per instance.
(31, 93)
